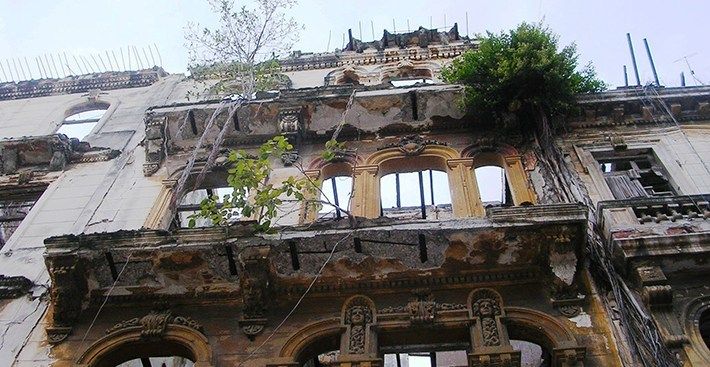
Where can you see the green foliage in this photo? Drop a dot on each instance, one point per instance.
(332, 149)
(518, 72)
(253, 196)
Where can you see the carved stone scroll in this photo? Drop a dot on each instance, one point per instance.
(489, 337)
(154, 324)
(255, 288)
(358, 319)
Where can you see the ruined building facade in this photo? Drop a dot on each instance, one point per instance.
(592, 249)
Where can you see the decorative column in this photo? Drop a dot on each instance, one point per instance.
(489, 337)
(519, 185)
(366, 192)
(358, 343)
(161, 215)
(465, 197)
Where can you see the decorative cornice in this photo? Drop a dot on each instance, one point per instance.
(153, 325)
(14, 286)
(80, 83)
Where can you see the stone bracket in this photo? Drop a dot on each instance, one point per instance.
(569, 307)
(14, 286)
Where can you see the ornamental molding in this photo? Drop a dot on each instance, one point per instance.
(154, 324)
(412, 145)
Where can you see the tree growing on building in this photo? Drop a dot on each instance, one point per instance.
(239, 55)
(514, 75)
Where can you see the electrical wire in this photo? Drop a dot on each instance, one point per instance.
(310, 286)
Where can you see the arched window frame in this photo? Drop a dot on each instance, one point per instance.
(85, 107)
(511, 162)
(464, 192)
(319, 172)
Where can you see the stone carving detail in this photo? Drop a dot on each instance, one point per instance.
(289, 158)
(48, 153)
(569, 357)
(255, 288)
(486, 307)
(422, 308)
(154, 143)
(69, 288)
(154, 324)
(13, 287)
(358, 316)
(290, 120)
(56, 335)
(412, 144)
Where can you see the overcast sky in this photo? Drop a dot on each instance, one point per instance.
(82, 27)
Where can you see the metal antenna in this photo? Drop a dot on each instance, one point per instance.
(102, 61)
(444, 21)
(9, 69)
(633, 60)
(66, 62)
(466, 24)
(327, 48)
(55, 65)
(47, 72)
(408, 29)
(138, 57)
(4, 76)
(118, 68)
(650, 59)
(108, 57)
(98, 68)
(431, 22)
(160, 58)
(22, 69)
(39, 69)
(372, 26)
(687, 63)
(59, 57)
(682, 79)
(146, 57)
(626, 77)
(77, 64)
(29, 71)
(49, 67)
(359, 24)
(394, 27)
(86, 64)
(150, 50)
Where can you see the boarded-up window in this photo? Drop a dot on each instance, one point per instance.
(634, 173)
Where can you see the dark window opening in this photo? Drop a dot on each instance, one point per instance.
(454, 358)
(190, 205)
(158, 362)
(634, 173)
(416, 195)
(704, 325)
(13, 209)
(493, 186)
(531, 354)
(409, 82)
(335, 195)
(79, 125)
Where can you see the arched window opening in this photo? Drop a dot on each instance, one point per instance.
(409, 82)
(531, 354)
(704, 325)
(454, 358)
(321, 353)
(14, 207)
(190, 205)
(158, 362)
(80, 124)
(416, 195)
(493, 186)
(335, 195)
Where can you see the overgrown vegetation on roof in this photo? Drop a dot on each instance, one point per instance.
(512, 75)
